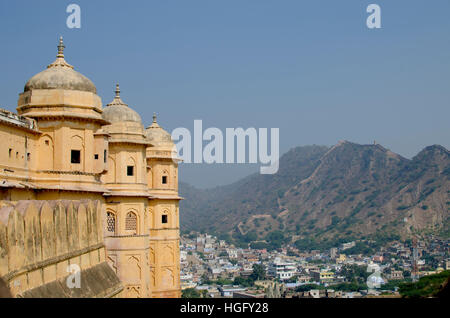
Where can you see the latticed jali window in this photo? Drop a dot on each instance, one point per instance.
(111, 222)
(131, 222)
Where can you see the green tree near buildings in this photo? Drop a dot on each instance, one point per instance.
(259, 245)
(355, 273)
(243, 281)
(190, 293)
(275, 239)
(427, 286)
(194, 293)
(259, 273)
(204, 293)
(348, 287)
(308, 287)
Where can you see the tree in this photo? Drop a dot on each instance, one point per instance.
(355, 273)
(242, 281)
(427, 286)
(259, 245)
(348, 287)
(205, 280)
(308, 287)
(275, 239)
(224, 281)
(259, 273)
(190, 293)
(392, 284)
(204, 293)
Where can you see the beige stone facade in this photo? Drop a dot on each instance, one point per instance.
(41, 240)
(64, 145)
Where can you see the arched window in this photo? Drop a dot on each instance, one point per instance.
(165, 218)
(131, 222)
(165, 177)
(132, 169)
(111, 222)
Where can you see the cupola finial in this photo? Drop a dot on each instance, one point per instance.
(117, 91)
(154, 118)
(61, 48)
(60, 62)
(117, 100)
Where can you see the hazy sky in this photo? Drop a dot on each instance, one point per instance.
(311, 68)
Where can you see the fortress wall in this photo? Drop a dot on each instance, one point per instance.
(39, 240)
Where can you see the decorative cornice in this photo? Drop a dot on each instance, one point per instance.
(71, 172)
(120, 236)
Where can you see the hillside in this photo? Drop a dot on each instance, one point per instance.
(329, 194)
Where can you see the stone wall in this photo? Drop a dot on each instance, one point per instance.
(39, 240)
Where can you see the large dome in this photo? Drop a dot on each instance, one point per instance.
(156, 135)
(60, 75)
(117, 111)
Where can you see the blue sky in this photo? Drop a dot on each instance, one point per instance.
(311, 68)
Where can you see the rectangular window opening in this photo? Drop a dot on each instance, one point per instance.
(164, 179)
(130, 171)
(75, 156)
(96, 156)
(164, 219)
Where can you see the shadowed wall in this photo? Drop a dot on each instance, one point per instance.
(39, 240)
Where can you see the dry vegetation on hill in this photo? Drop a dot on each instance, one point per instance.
(329, 194)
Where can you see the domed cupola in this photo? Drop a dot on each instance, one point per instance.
(158, 136)
(60, 92)
(117, 111)
(60, 75)
(125, 123)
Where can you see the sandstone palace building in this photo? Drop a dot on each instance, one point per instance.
(85, 185)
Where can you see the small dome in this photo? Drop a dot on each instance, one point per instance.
(117, 111)
(60, 75)
(156, 135)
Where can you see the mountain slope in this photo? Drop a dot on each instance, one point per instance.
(255, 194)
(346, 191)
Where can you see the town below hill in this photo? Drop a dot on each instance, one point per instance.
(212, 268)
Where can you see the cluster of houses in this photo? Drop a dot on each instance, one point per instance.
(211, 266)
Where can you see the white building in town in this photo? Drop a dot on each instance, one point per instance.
(282, 269)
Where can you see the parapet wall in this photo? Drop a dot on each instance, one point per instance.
(39, 240)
